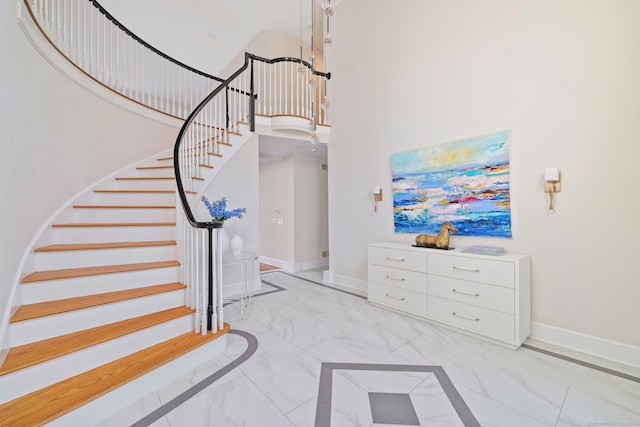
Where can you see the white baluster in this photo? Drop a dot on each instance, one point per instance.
(203, 263)
(218, 280)
(205, 305)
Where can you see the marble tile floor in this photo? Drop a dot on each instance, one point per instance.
(379, 362)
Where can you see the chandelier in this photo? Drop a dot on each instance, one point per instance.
(313, 84)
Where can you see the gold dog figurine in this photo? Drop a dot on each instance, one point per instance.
(441, 241)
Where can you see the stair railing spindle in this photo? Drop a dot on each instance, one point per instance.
(218, 283)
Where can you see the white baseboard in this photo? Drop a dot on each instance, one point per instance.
(294, 267)
(309, 265)
(599, 347)
(356, 286)
(287, 266)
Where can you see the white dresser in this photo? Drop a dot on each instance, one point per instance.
(485, 296)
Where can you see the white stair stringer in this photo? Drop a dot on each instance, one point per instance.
(41, 375)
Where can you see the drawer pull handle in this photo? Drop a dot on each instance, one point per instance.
(395, 278)
(473, 270)
(475, 319)
(473, 294)
(395, 297)
(390, 258)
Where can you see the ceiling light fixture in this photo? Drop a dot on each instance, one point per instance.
(313, 83)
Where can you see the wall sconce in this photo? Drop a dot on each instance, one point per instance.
(377, 197)
(551, 183)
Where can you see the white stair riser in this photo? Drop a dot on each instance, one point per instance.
(127, 199)
(123, 215)
(117, 400)
(152, 173)
(58, 260)
(44, 374)
(144, 184)
(33, 330)
(50, 290)
(113, 234)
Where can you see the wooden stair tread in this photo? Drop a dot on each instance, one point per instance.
(49, 403)
(215, 154)
(90, 246)
(134, 191)
(205, 166)
(39, 276)
(27, 355)
(48, 308)
(164, 158)
(114, 224)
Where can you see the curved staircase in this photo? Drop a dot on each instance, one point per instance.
(104, 305)
(102, 313)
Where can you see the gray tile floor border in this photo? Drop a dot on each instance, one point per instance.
(316, 283)
(278, 288)
(583, 363)
(393, 408)
(250, 298)
(252, 346)
(323, 408)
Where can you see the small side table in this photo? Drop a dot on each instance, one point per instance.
(247, 265)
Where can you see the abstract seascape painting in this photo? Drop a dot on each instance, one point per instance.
(464, 182)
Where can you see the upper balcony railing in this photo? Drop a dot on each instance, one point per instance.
(108, 52)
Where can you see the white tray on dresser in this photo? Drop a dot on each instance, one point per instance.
(482, 295)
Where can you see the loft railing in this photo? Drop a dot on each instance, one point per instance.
(214, 109)
(268, 86)
(105, 50)
(290, 87)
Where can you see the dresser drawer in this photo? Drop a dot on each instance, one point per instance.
(472, 318)
(474, 269)
(473, 293)
(402, 299)
(397, 258)
(398, 278)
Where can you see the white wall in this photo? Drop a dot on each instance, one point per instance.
(562, 76)
(56, 140)
(276, 193)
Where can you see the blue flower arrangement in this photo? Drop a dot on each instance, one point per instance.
(218, 210)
